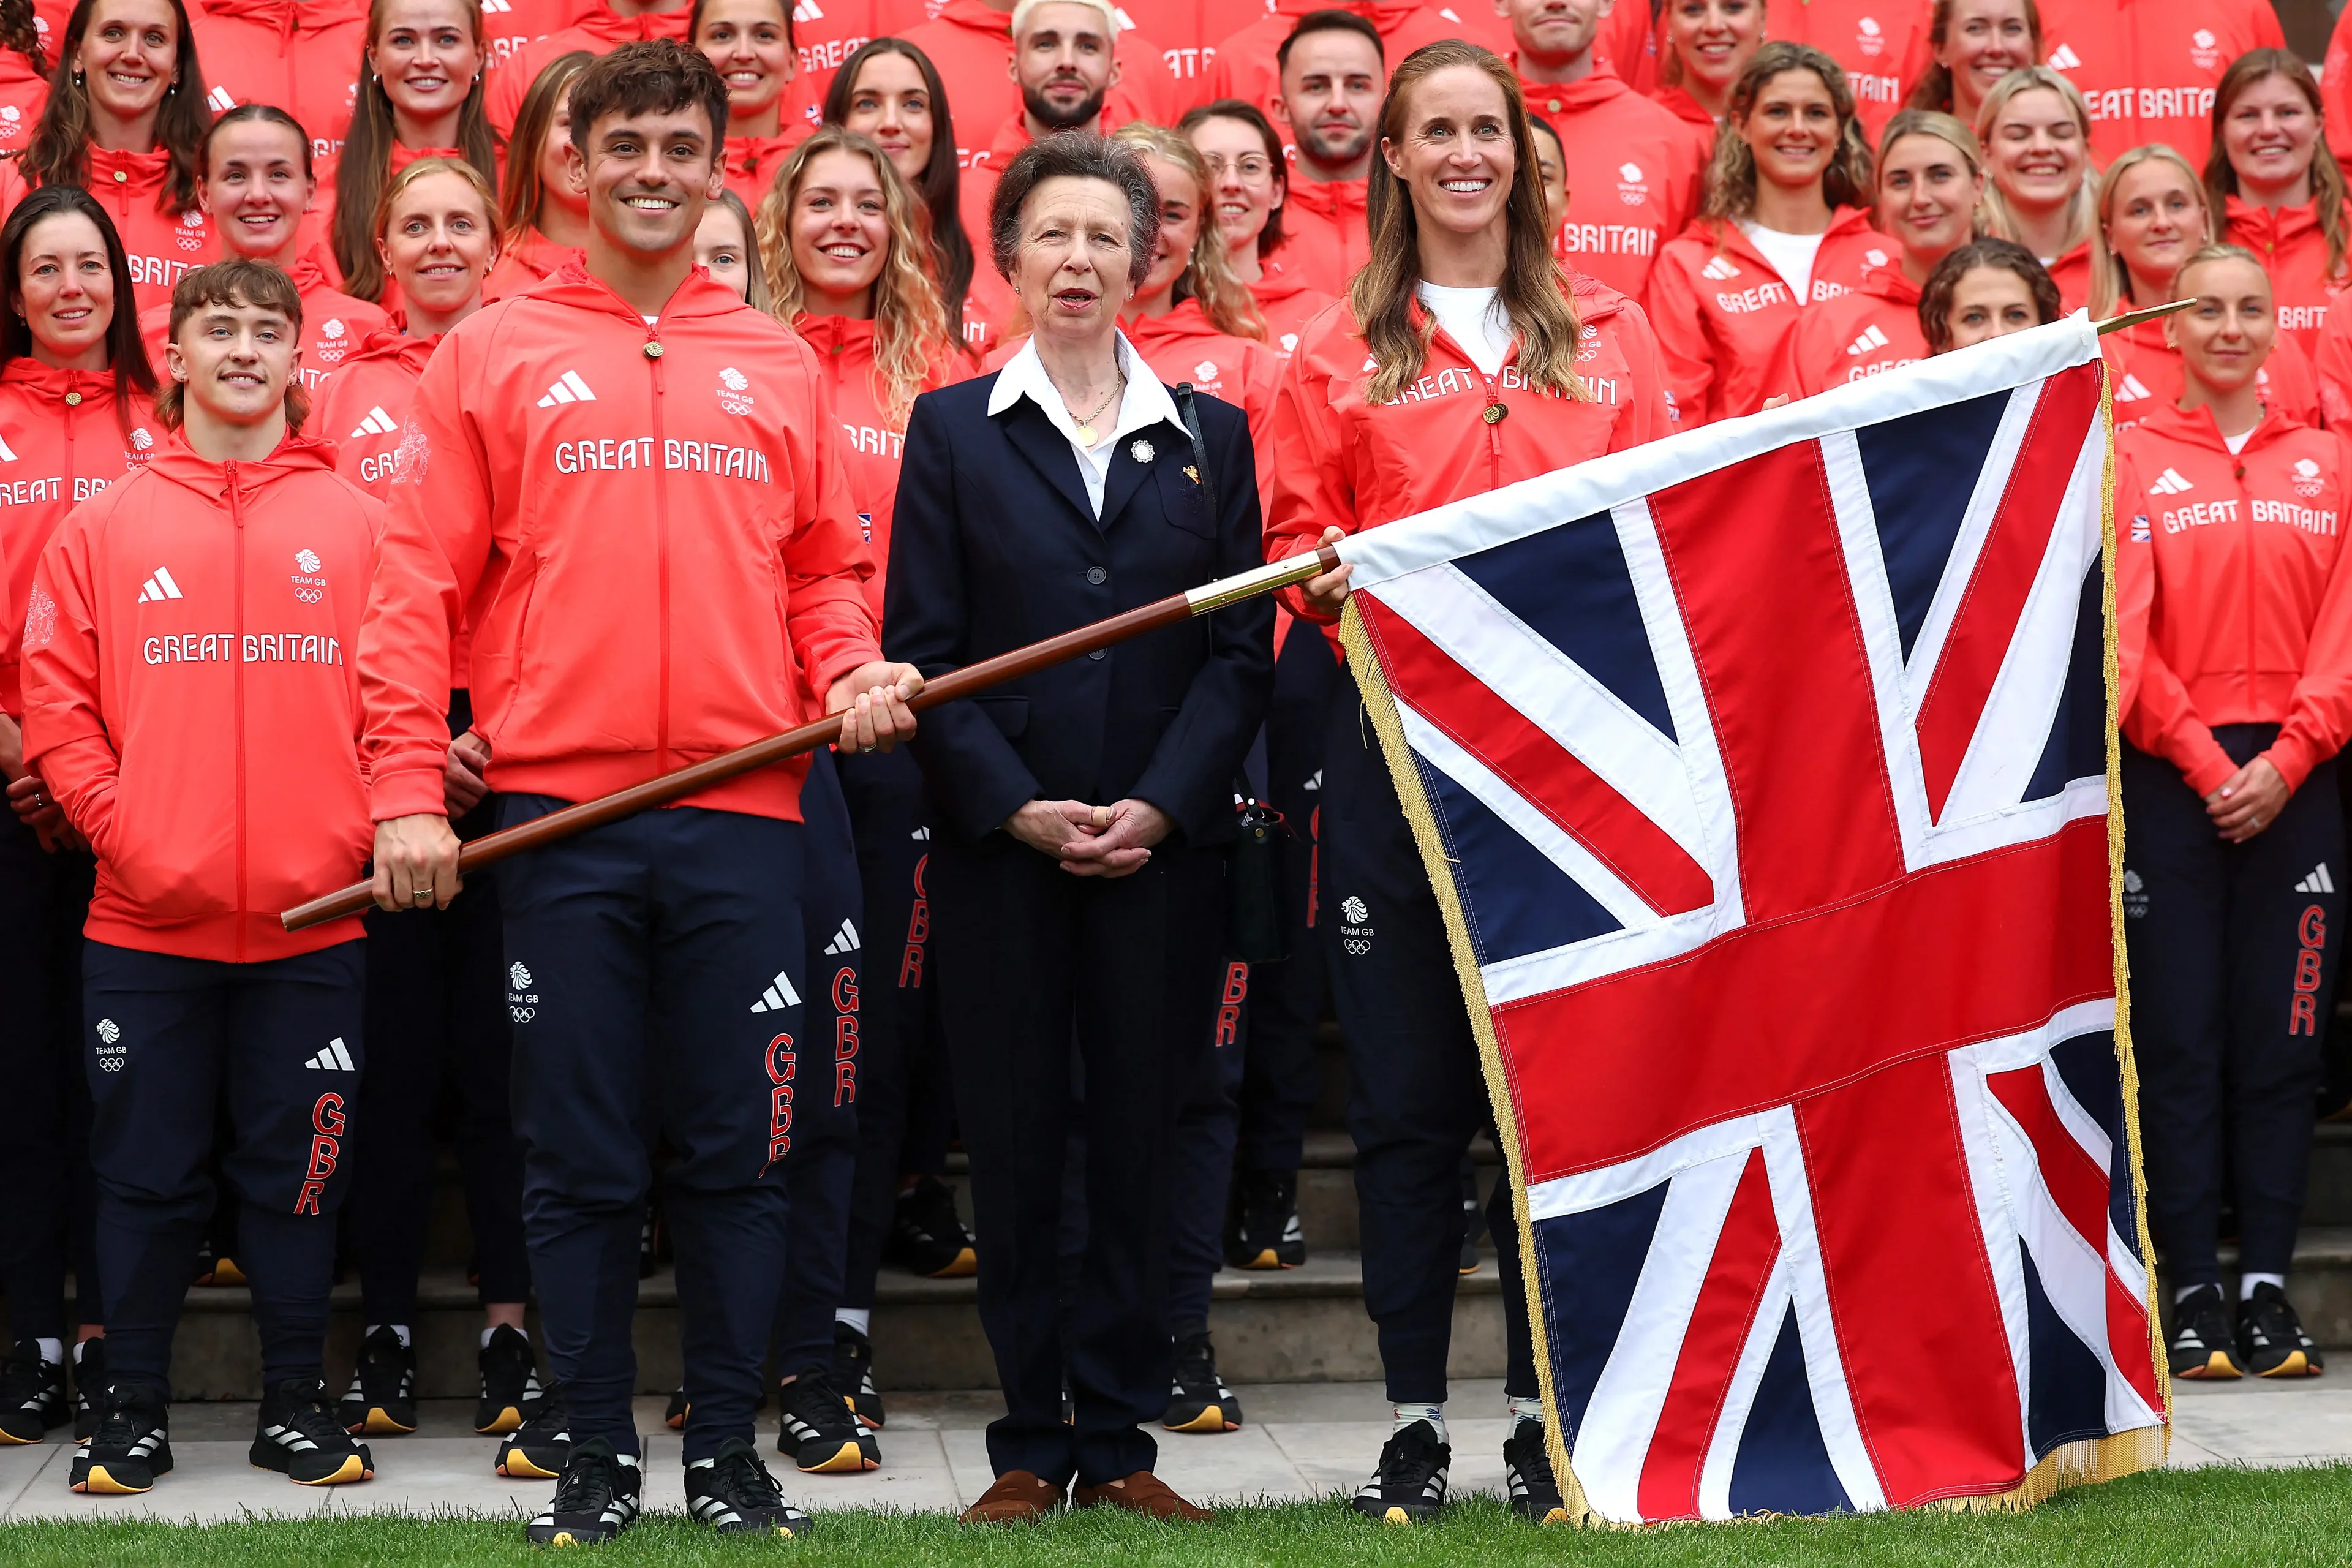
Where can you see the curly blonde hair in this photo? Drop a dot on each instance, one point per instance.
(1731, 176)
(1208, 276)
(911, 329)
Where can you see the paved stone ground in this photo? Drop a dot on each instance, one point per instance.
(1301, 1440)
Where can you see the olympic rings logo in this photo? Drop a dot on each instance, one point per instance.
(111, 1064)
(522, 1015)
(309, 595)
(1357, 946)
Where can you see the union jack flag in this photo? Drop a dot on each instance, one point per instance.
(1764, 778)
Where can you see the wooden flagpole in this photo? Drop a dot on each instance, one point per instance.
(2134, 317)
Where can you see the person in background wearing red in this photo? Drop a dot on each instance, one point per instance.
(1065, 61)
(74, 392)
(1929, 182)
(2279, 190)
(1382, 417)
(1783, 229)
(1987, 288)
(1251, 185)
(420, 96)
(1552, 168)
(971, 44)
(1631, 160)
(2335, 88)
(199, 719)
(1709, 44)
(1331, 70)
(2234, 620)
(1882, 49)
(256, 185)
(24, 74)
(2148, 68)
(825, 36)
(889, 93)
(750, 42)
(544, 219)
(726, 246)
(125, 119)
(1971, 45)
(301, 54)
(599, 26)
(842, 250)
(2037, 140)
(1248, 64)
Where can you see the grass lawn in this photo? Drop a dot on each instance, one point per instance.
(2211, 1518)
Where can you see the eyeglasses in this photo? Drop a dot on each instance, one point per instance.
(1251, 168)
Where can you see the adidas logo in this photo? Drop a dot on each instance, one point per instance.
(2063, 59)
(1719, 269)
(1872, 338)
(2319, 882)
(7, 453)
(219, 101)
(845, 940)
(334, 1058)
(2132, 389)
(2170, 483)
(569, 389)
(779, 995)
(377, 423)
(921, 835)
(1315, 782)
(492, 8)
(807, 11)
(158, 588)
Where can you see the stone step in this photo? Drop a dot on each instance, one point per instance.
(2329, 1199)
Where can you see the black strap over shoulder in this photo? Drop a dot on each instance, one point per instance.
(1199, 446)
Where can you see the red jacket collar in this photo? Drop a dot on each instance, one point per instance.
(2195, 427)
(830, 335)
(1601, 86)
(148, 170)
(393, 343)
(176, 462)
(1331, 199)
(696, 298)
(1683, 106)
(403, 156)
(287, 16)
(2272, 225)
(747, 155)
(49, 381)
(599, 21)
(1277, 282)
(1890, 282)
(978, 16)
(1729, 236)
(1186, 320)
(1387, 16)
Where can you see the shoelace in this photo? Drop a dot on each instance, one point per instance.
(1409, 1459)
(813, 1392)
(2270, 1319)
(22, 1379)
(311, 1418)
(116, 1429)
(744, 1481)
(588, 1485)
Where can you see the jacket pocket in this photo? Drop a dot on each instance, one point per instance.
(1184, 500)
(1009, 714)
(173, 846)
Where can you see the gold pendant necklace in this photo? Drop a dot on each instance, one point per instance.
(1086, 426)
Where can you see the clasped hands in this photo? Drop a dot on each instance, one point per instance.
(1109, 841)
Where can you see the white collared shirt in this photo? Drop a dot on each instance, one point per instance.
(1144, 403)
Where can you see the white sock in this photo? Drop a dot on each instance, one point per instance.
(494, 1327)
(858, 1318)
(1406, 1414)
(2182, 1292)
(1525, 1409)
(53, 1351)
(400, 1330)
(78, 1346)
(2246, 1283)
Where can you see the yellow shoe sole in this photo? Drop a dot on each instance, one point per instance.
(850, 1458)
(103, 1484)
(2297, 1364)
(380, 1424)
(354, 1468)
(967, 1263)
(1212, 1419)
(506, 1421)
(516, 1467)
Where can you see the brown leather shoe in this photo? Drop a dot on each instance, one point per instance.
(1017, 1496)
(1143, 1493)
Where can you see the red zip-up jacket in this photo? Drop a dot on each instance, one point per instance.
(2336, 89)
(970, 43)
(24, 93)
(526, 259)
(1352, 464)
(1722, 312)
(509, 27)
(2148, 68)
(2292, 248)
(1696, 122)
(2145, 374)
(1326, 236)
(662, 513)
(1850, 337)
(1632, 183)
(594, 27)
(1287, 301)
(751, 162)
(2231, 603)
(1245, 65)
(1627, 48)
(192, 697)
(2071, 273)
(826, 33)
(302, 54)
(61, 443)
(333, 322)
(164, 247)
(1882, 48)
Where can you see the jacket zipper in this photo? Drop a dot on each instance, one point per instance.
(661, 537)
(2246, 511)
(236, 677)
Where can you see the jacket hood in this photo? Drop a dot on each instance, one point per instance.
(2272, 225)
(1890, 283)
(1185, 320)
(748, 155)
(979, 16)
(697, 299)
(313, 269)
(392, 345)
(1594, 300)
(1683, 106)
(147, 171)
(15, 69)
(1338, 199)
(2194, 427)
(403, 155)
(600, 21)
(286, 17)
(1279, 282)
(174, 460)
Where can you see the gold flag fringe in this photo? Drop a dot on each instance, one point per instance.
(2079, 1463)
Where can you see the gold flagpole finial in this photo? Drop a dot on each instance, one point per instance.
(2134, 317)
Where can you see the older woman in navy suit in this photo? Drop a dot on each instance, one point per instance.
(1078, 877)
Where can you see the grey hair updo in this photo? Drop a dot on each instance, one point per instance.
(1076, 156)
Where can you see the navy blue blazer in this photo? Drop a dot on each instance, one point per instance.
(992, 547)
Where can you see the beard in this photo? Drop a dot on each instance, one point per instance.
(1054, 118)
(1330, 149)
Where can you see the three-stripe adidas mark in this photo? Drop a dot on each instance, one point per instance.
(568, 388)
(1872, 338)
(2319, 882)
(160, 587)
(807, 11)
(377, 423)
(921, 835)
(336, 1058)
(219, 100)
(2063, 59)
(845, 940)
(778, 997)
(2131, 389)
(2170, 483)
(7, 453)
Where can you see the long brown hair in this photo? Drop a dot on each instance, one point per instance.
(519, 197)
(941, 189)
(1208, 274)
(126, 357)
(1934, 88)
(1533, 292)
(1731, 177)
(366, 164)
(58, 153)
(2327, 188)
(912, 329)
(2110, 279)
(20, 30)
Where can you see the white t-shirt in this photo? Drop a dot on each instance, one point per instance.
(1791, 255)
(1474, 317)
(2237, 444)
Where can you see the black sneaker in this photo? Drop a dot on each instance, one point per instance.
(298, 1435)
(819, 1431)
(89, 1385)
(1268, 1236)
(32, 1395)
(734, 1494)
(853, 1369)
(2203, 1342)
(927, 1237)
(1527, 1477)
(131, 1446)
(540, 1447)
(510, 1393)
(1409, 1484)
(674, 1416)
(2270, 1340)
(382, 1399)
(1199, 1401)
(596, 1497)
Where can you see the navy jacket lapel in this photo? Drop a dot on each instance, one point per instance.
(1127, 473)
(1033, 435)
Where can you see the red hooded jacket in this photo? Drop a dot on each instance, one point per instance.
(2148, 68)
(2231, 603)
(510, 25)
(1882, 47)
(302, 54)
(1721, 311)
(192, 697)
(2294, 250)
(1287, 301)
(1244, 66)
(663, 518)
(1326, 236)
(333, 322)
(825, 34)
(1696, 122)
(752, 161)
(1632, 183)
(526, 258)
(2145, 374)
(1850, 337)
(163, 247)
(61, 443)
(1353, 464)
(365, 406)
(24, 93)
(594, 27)
(970, 43)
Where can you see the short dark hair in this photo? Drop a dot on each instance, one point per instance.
(1333, 21)
(253, 114)
(2001, 256)
(125, 356)
(658, 76)
(261, 285)
(1074, 155)
(1250, 115)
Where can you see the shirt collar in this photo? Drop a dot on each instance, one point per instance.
(1145, 402)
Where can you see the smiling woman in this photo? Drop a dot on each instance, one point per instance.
(2278, 188)
(750, 42)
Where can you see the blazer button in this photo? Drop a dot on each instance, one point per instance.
(1097, 575)
(1100, 653)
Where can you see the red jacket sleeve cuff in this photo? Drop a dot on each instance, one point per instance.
(2206, 768)
(2292, 759)
(406, 790)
